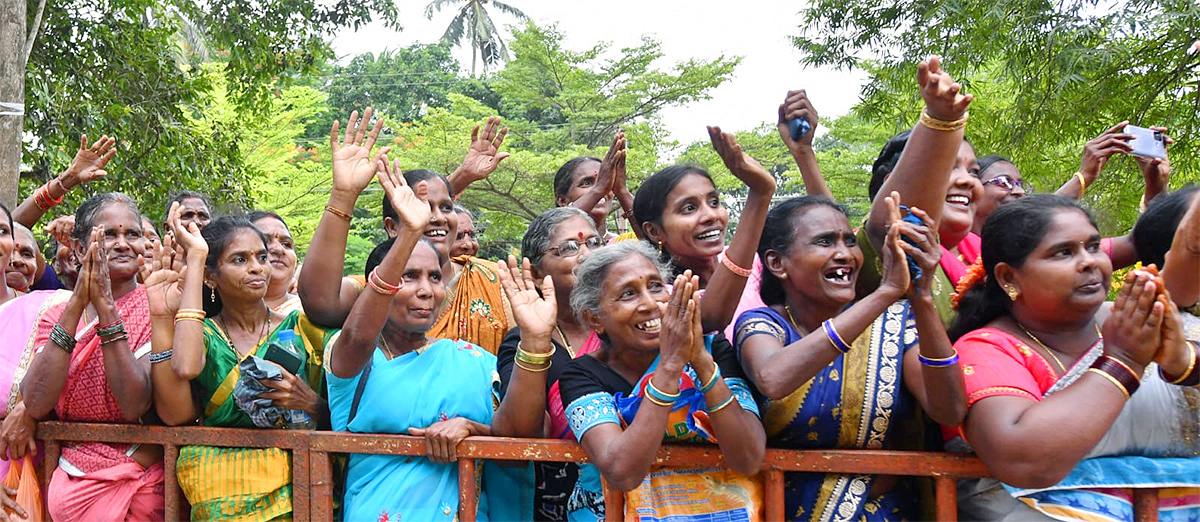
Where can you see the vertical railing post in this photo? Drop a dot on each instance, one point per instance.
(468, 498)
(773, 494)
(946, 498)
(614, 502)
(50, 462)
(171, 492)
(301, 491)
(321, 491)
(1145, 505)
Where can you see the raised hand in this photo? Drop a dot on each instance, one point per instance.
(943, 96)
(677, 344)
(409, 202)
(535, 314)
(1098, 150)
(747, 169)
(162, 270)
(188, 237)
(484, 156)
(796, 105)
(613, 165)
(89, 162)
(353, 166)
(1133, 332)
(1156, 171)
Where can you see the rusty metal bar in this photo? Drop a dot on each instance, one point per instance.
(301, 484)
(946, 498)
(773, 494)
(171, 492)
(53, 451)
(1145, 505)
(468, 497)
(321, 487)
(614, 502)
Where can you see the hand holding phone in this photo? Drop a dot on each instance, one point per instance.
(283, 352)
(1147, 143)
(798, 127)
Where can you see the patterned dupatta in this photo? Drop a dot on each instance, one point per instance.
(475, 310)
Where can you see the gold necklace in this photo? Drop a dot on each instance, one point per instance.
(795, 324)
(1047, 348)
(266, 331)
(566, 341)
(387, 349)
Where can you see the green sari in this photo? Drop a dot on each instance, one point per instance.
(243, 484)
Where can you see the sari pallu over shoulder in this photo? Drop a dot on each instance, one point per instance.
(855, 402)
(475, 310)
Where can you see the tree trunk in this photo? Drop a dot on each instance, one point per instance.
(12, 96)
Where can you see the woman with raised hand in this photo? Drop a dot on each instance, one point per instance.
(656, 378)
(590, 184)
(1061, 392)
(87, 166)
(556, 243)
(92, 366)
(384, 353)
(813, 351)
(476, 310)
(679, 211)
(220, 318)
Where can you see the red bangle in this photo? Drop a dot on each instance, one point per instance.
(1120, 373)
(379, 285)
(733, 267)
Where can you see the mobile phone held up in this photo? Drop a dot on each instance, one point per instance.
(798, 127)
(1147, 143)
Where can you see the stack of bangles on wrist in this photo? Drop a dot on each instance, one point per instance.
(659, 397)
(157, 357)
(112, 333)
(833, 336)
(534, 362)
(1118, 373)
(938, 363)
(190, 314)
(1190, 377)
(41, 197)
(64, 340)
(943, 125)
(733, 267)
(379, 285)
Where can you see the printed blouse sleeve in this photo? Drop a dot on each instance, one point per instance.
(757, 322)
(588, 403)
(992, 365)
(731, 371)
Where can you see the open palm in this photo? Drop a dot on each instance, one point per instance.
(484, 156)
(535, 314)
(163, 273)
(353, 165)
(89, 162)
(409, 202)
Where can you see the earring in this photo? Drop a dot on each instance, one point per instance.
(660, 247)
(1013, 293)
(783, 275)
(212, 295)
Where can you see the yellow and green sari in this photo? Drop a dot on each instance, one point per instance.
(243, 484)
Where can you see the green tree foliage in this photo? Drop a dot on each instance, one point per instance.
(584, 97)
(1047, 76)
(474, 24)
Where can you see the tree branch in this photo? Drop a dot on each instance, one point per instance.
(33, 32)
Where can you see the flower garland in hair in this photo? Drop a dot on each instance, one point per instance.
(975, 274)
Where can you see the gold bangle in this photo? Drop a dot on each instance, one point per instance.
(725, 403)
(338, 212)
(190, 314)
(534, 358)
(534, 370)
(656, 401)
(1191, 366)
(1083, 184)
(943, 125)
(1111, 379)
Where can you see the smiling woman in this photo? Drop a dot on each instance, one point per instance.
(23, 263)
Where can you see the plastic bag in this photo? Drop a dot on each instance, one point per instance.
(23, 477)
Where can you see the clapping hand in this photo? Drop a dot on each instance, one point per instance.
(484, 156)
(188, 237)
(536, 314)
(678, 341)
(353, 166)
(944, 99)
(411, 208)
(746, 168)
(162, 270)
(1133, 332)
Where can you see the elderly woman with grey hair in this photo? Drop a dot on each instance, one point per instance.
(656, 373)
(555, 244)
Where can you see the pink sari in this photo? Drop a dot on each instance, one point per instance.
(17, 320)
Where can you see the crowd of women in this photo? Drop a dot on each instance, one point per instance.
(965, 314)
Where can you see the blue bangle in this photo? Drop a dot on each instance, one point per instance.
(721, 406)
(716, 375)
(658, 394)
(834, 338)
(157, 357)
(938, 363)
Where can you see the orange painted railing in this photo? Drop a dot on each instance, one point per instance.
(312, 473)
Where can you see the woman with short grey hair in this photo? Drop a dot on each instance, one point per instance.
(656, 373)
(549, 334)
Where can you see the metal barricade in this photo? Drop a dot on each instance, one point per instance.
(312, 472)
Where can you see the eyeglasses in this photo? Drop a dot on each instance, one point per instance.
(1007, 182)
(570, 247)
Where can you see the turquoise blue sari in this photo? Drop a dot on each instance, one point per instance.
(415, 390)
(853, 403)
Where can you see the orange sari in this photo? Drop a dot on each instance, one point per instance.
(475, 309)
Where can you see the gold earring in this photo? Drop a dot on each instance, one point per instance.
(1013, 293)
(783, 275)
(660, 247)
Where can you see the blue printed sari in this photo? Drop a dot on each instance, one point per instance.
(853, 403)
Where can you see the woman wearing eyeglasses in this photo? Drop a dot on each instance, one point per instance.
(1002, 183)
(539, 290)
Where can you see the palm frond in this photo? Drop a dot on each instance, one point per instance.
(489, 41)
(454, 31)
(437, 5)
(510, 10)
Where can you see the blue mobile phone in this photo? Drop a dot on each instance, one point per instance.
(914, 270)
(799, 127)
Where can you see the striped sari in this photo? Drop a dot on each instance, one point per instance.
(243, 484)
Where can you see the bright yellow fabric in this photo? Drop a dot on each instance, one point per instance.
(256, 483)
